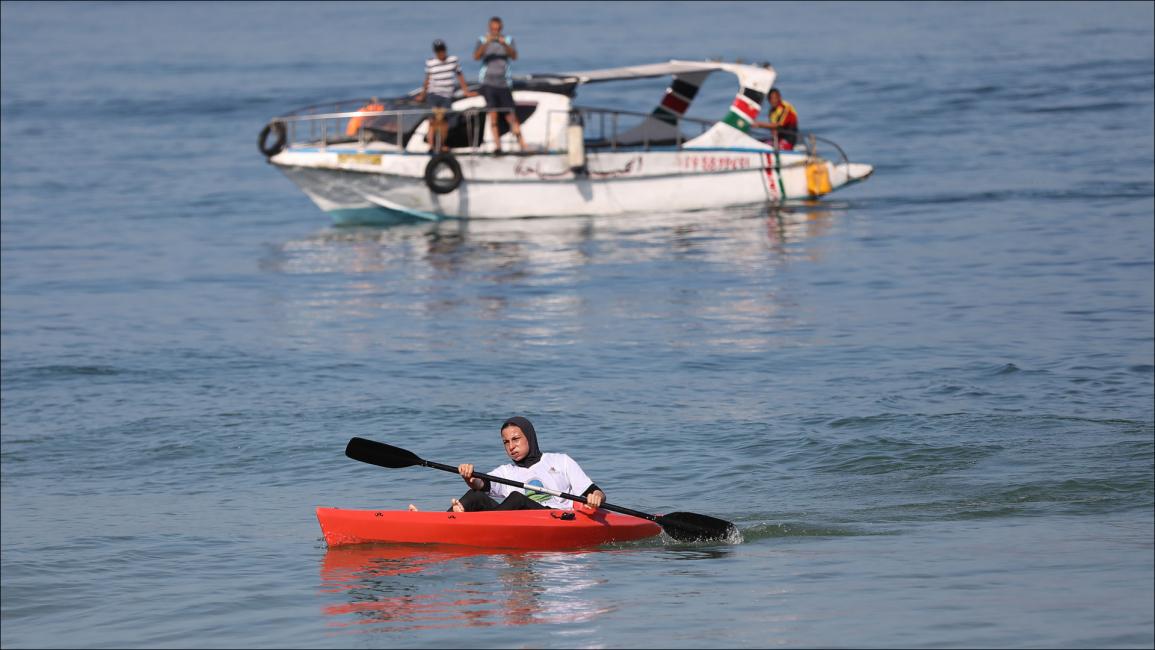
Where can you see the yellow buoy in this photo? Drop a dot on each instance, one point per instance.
(817, 178)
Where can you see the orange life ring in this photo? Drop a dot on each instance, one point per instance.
(355, 122)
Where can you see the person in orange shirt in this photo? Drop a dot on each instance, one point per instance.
(783, 120)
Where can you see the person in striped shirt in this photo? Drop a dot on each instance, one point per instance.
(437, 91)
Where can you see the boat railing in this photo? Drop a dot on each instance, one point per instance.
(806, 142)
(326, 124)
(609, 131)
(610, 128)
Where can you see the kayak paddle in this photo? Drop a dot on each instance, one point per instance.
(682, 526)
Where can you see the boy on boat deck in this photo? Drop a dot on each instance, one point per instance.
(440, 73)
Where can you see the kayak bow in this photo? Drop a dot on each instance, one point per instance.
(526, 529)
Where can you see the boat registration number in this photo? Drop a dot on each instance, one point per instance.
(359, 158)
(699, 163)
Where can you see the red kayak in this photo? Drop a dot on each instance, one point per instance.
(531, 529)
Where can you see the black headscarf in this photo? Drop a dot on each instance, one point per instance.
(526, 427)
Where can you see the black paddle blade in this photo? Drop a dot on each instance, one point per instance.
(379, 453)
(693, 527)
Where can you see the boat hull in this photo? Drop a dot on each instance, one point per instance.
(522, 529)
(355, 188)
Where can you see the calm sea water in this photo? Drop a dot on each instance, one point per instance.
(927, 401)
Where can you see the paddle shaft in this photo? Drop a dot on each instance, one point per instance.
(563, 495)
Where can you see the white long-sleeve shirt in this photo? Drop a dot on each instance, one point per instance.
(554, 471)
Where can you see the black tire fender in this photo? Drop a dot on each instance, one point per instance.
(278, 145)
(440, 185)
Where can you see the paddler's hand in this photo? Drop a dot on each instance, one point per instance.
(457, 507)
(466, 472)
(596, 498)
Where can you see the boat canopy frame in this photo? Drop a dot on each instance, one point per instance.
(328, 123)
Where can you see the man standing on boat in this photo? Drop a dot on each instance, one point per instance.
(437, 91)
(783, 121)
(495, 51)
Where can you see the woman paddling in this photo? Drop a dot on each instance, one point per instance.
(554, 471)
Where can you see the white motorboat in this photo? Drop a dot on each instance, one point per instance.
(365, 161)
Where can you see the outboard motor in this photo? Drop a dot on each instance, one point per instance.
(576, 144)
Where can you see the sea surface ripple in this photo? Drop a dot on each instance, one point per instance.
(928, 402)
